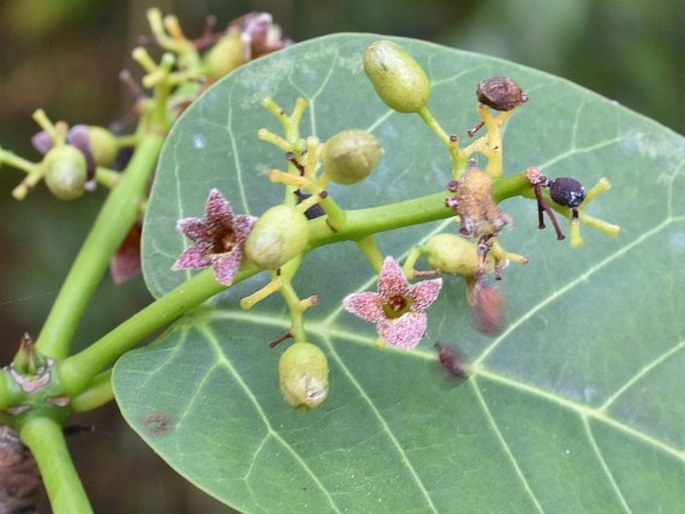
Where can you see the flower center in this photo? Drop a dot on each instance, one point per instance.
(223, 240)
(396, 306)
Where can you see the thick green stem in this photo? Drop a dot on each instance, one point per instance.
(98, 393)
(44, 437)
(77, 372)
(118, 213)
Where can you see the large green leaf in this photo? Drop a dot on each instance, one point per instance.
(576, 407)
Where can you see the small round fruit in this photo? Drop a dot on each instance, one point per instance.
(567, 191)
(65, 172)
(303, 376)
(398, 79)
(452, 254)
(350, 156)
(278, 235)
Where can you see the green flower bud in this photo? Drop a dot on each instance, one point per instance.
(350, 156)
(278, 235)
(65, 172)
(225, 56)
(398, 79)
(103, 145)
(452, 254)
(303, 376)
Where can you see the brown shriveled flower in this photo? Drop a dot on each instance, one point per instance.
(472, 201)
(218, 239)
(398, 308)
(500, 93)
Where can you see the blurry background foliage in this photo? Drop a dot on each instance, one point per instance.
(65, 55)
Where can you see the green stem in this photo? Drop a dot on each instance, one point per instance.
(459, 159)
(370, 249)
(118, 213)
(77, 372)
(98, 393)
(363, 222)
(44, 437)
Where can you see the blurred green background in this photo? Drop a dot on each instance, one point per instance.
(65, 56)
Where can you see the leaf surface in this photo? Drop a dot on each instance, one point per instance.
(576, 407)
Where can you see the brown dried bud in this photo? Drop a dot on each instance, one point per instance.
(500, 93)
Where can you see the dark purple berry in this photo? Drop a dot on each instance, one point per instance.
(500, 93)
(567, 191)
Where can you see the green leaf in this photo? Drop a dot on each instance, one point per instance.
(576, 407)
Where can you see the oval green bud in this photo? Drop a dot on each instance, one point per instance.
(278, 235)
(398, 79)
(303, 376)
(225, 56)
(103, 145)
(350, 156)
(452, 254)
(65, 172)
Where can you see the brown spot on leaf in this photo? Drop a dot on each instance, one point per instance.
(157, 424)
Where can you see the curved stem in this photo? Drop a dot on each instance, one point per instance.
(77, 372)
(118, 213)
(44, 437)
(98, 393)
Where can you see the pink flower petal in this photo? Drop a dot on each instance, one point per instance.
(192, 228)
(424, 294)
(404, 332)
(367, 306)
(391, 280)
(242, 227)
(218, 211)
(226, 266)
(192, 258)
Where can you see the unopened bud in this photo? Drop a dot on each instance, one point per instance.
(65, 172)
(399, 80)
(278, 235)
(350, 156)
(225, 56)
(453, 254)
(303, 376)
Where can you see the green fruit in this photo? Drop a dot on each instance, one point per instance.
(398, 79)
(350, 156)
(303, 376)
(452, 254)
(65, 172)
(278, 235)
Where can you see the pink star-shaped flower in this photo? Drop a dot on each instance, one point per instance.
(217, 238)
(398, 308)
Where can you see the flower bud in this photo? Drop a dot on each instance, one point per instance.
(303, 376)
(65, 172)
(398, 79)
(225, 56)
(350, 156)
(452, 254)
(95, 142)
(278, 235)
